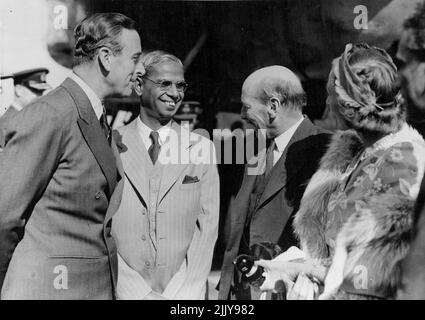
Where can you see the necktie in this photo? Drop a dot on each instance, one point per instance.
(155, 146)
(269, 158)
(105, 126)
(261, 181)
(259, 187)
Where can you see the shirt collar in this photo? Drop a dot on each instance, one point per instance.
(95, 102)
(145, 132)
(283, 139)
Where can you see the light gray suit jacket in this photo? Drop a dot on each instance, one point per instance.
(186, 220)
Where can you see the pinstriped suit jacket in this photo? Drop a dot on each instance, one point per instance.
(175, 259)
(59, 188)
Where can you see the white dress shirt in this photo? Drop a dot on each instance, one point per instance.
(281, 141)
(145, 131)
(95, 101)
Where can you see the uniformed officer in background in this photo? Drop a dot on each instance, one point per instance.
(28, 85)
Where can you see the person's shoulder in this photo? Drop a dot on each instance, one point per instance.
(56, 103)
(59, 100)
(315, 137)
(407, 141)
(317, 130)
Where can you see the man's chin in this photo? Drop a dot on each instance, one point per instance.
(252, 124)
(127, 92)
(164, 119)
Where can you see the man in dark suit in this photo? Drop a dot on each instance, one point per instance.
(263, 210)
(59, 174)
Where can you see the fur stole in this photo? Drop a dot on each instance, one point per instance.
(311, 218)
(378, 236)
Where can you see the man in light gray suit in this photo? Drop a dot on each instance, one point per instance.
(166, 226)
(60, 175)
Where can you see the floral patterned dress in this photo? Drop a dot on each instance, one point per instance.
(357, 211)
(381, 168)
(393, 166)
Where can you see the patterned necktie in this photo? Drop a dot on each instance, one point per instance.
(261, 181)
(155, 146)
(269, 158)
(105, 126)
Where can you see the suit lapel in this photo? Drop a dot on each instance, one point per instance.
(171, 172)
(92, 133)
(278, 175)
(136, 160)
(242, 200)
(119, 187)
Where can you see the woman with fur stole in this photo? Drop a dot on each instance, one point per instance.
(355, 218)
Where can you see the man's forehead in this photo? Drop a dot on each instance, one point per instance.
(249, 89)
(130, 40)
(168, 67)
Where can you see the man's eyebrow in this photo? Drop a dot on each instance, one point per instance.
(137, 55)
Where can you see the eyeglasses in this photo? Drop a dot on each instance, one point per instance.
(166, 85)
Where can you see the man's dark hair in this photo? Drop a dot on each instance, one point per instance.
(99, 30)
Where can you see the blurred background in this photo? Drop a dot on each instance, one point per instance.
(220, 43)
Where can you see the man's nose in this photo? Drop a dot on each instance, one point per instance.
(172, 91)
(243, 111)
(139, 71)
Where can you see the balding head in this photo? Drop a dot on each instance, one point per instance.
(272, 99)
(278, 82)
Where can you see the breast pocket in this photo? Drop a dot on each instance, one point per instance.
(191, 186)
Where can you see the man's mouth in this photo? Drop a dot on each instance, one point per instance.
(169, 103)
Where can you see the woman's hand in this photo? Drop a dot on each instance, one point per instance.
(276, 271)
(283, 269)
(303, 289)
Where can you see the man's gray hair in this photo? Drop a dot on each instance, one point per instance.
(153, 58)
(289, 93)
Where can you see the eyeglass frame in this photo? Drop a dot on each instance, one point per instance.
(166, 88)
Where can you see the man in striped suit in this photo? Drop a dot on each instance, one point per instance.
(166, 226)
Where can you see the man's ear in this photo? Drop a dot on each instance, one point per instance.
(19, 90)
(104, 58)
(273, 107)
(138, 86)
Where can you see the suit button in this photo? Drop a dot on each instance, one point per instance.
(98, 195)
(147, 264)
(144, 238)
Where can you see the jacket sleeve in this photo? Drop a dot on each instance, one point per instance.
(200, 252)
(27, 162)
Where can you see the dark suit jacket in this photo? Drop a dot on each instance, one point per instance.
(57, 179)
(280, 200)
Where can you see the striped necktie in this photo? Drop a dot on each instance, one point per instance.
(155, 146)
(105, 126)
